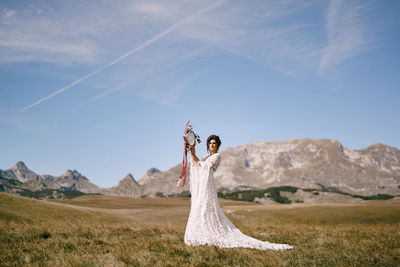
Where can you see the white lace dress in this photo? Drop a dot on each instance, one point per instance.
(207, 224)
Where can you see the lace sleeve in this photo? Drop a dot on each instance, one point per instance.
(208, 162)
(213, 161)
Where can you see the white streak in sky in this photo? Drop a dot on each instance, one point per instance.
(347, 32)
(145, 73)
(137, 49)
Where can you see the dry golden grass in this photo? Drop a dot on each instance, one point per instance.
(117, 231)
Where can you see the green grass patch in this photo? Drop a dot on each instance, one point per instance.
(250, 195)
(274, 194)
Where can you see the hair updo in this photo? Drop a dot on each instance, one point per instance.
(213, 137)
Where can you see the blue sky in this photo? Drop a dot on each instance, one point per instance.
(105, 87)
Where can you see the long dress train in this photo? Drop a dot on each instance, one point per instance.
(207, 224)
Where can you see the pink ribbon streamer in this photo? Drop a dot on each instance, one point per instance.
(182, 177)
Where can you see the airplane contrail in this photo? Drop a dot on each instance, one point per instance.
(137, 49)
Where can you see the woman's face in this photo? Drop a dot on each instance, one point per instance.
(213, 146)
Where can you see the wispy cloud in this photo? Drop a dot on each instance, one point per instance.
(133, 51)
(167, 89)
(103, 94)
(7, 16)
(7, 13)
(348, 32)
(153, 75)
(264, 31)
(33, 36)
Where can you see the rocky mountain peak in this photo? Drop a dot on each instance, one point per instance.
(22, 173)
(74, 174)
(379, 146)
(126, 187)
(129, 177)
(381, 156)
(20, 165)
(152, 171)
(67, 173)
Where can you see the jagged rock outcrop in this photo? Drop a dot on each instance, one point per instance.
(152, 171)
(379, 156)
(164, 183)
(73, 180)
(20, 172)
(127, 187)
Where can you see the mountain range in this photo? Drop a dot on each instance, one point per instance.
(322, 164)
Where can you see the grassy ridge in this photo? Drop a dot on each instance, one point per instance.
(117, 231)
(22, 210)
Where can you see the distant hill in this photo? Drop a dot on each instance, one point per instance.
(323, 165)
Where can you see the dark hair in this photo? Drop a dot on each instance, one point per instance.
(213, 137)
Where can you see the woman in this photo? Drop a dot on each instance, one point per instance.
(207, 224)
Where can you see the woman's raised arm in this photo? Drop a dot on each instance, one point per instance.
(193, 153)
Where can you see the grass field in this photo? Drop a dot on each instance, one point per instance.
(117, 231)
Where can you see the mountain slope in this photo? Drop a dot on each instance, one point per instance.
(304, 163)
(127, 187)
(20, 172)
(67, 181)
(154, 182)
